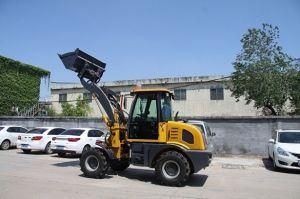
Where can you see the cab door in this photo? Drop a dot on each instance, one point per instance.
(143, 124)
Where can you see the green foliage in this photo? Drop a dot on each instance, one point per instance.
(19, 85)
(295, 92)
(51, 111)
(81, 108)
(264, 73)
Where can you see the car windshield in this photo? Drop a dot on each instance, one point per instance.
(75, 132)
(289, 137)
(36, 131)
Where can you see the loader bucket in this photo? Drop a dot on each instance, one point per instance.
(85, 65)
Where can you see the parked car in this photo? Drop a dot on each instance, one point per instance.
(38, 139)
(9, 136)
(76, 140)
(284, 149)
(205, 129)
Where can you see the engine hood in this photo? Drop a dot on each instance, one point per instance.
(292, 148)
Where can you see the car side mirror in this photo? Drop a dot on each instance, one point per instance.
(271, 141)
(213, 134)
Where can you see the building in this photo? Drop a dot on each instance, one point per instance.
(194, 96)
(19, 86)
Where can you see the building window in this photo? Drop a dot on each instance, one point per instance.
(180, 94)
(87, 97)
(62, 98)
(216, 94)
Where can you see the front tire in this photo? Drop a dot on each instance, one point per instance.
(119, 165)
(5, 145)
(275, 167)
(93, 163)
(172, 169)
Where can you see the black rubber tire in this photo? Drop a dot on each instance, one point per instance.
(62, 155)
(183, 165)
(119, 165)
(5, 145)
(48, 148)
(102, 163)
(26, 151)
(275, 167)
(85, 148)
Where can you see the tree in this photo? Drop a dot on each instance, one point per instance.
(263, 72)
(81, 108)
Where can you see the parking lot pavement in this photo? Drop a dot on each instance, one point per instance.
(48, 176)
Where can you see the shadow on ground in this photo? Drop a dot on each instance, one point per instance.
(268, 164)
(74, 163)
(146, 175)
(33, 153)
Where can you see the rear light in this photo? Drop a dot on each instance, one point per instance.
(98, 142)
(73, 139)
(19, 137)
(36, 137)
(54, 138)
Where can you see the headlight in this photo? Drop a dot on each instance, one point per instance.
(282, 152)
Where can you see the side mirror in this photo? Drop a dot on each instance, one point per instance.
(272, 141)
(213, 134)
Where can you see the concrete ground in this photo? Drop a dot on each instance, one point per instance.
(48, 176)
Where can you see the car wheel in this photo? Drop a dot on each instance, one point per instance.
(26, 151)
(172, 168)
(61, 155)
(93, 163)
(5, 145)
(275, 167)
(85, 148)
(48, 149)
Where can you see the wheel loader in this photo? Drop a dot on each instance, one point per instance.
(149, 136)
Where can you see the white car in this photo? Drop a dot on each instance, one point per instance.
(205, 129)
(38, 139)
(9, 136)
(76, 140)
(284, 149)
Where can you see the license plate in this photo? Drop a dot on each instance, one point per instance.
(60, 147)
(24, 145)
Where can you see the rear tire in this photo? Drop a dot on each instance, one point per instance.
(93, 163)
(119, 165)
(48, 149)
(5, 145)
(26, 151)
(172, 169)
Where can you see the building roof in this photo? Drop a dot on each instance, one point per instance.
(156, 81)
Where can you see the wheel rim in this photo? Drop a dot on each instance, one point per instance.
(171, 169)
(48, 149)
(5, 145)
(91, 163)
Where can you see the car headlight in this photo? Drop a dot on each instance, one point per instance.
(282, 152)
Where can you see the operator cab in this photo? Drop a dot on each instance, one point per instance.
(149, 108)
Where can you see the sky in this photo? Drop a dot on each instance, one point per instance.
(141, 39)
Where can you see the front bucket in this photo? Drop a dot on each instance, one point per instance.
(85, 65)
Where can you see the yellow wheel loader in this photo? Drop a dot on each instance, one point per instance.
(148, 137)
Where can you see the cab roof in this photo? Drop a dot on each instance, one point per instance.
(144, 90)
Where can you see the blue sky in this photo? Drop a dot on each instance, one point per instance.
(141, 39)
